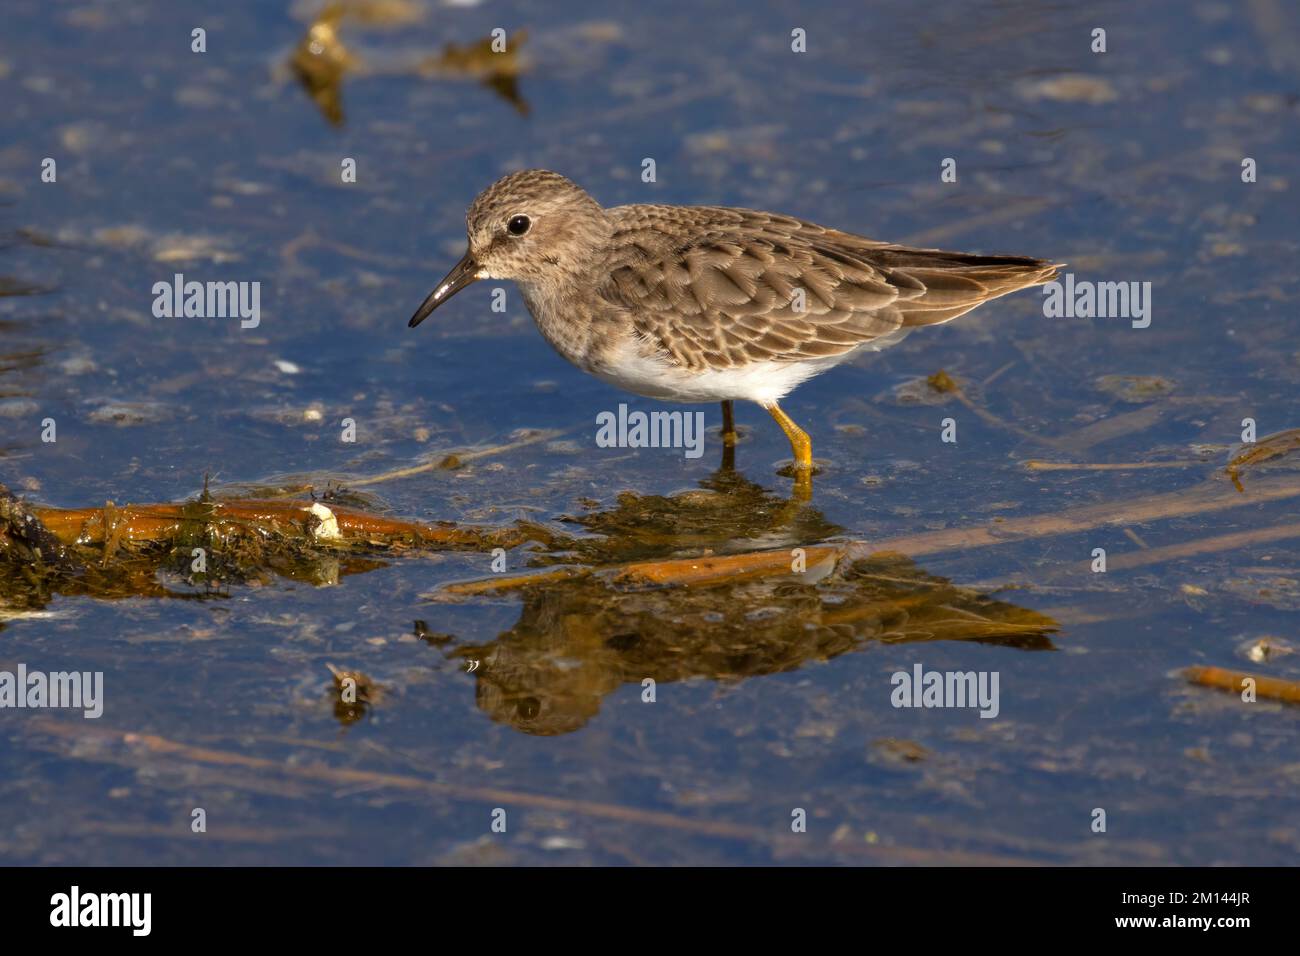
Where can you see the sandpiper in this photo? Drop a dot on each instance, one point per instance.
(711, 303)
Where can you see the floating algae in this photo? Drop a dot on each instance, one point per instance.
(118, 551)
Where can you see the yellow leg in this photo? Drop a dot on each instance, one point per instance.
(800, 443)
(728, 426)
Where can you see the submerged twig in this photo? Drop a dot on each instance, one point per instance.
(451, 460)
(162, 523)
(1218, 544)
(1268, 447)
(1272, 688)
(941, 381)
(732, 567)
(1200, 499)
(140, 745)
(1035, 464)
(513, 581)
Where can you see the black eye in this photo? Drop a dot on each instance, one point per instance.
(518, 225)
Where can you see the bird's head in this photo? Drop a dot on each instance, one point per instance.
(532, 227)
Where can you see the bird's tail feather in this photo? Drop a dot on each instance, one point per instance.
(945, 285)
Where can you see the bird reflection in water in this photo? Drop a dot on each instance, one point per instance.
(581, 638)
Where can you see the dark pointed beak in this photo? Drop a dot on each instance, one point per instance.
(461, 275)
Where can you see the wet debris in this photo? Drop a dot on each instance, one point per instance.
(24, 538)
(941, 381)
(1262, 649)
(498, 71)
(1135, 389)
(354, 694)
(114, 551)
(1270, 447)
(322, 61)
(892, 750)
(124, 414)
(433, 638)
(1070, 88)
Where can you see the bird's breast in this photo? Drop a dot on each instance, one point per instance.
(567, 326)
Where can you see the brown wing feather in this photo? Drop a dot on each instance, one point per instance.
(715, 287)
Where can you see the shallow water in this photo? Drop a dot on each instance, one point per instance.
(772, 692)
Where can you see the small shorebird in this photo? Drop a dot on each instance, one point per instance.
(709, 303)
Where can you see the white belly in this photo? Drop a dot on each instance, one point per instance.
(762, 382)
